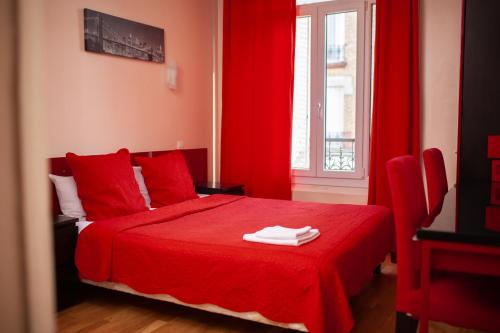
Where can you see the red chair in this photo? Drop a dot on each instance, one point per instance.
(458, 299)
(435, 172)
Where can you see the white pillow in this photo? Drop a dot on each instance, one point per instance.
(142, 185)
(70, 203)
(67, 194)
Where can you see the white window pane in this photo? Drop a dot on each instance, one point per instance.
(301, 95)
(340, 92)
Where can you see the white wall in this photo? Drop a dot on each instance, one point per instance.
(441, 32)
(13, 305)
(26, 277)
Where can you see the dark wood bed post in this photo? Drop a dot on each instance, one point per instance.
(405, 323)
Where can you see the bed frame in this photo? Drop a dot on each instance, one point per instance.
(251, 315)
(196, 160)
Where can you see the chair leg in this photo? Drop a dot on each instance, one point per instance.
(405, 323)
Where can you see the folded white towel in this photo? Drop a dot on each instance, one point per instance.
(279, 232)
(303, 239)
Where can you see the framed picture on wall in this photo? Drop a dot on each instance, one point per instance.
(117, 36)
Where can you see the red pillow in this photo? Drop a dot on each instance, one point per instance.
(106, 185)
(167, 178)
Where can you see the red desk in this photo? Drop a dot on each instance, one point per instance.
(459, 240)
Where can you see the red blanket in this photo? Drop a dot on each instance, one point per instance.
(194, 252)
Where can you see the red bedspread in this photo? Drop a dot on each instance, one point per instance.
(194, 252)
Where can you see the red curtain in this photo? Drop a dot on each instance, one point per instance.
(258, 60)
(396, 100)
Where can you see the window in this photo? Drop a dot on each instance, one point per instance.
(332, 91)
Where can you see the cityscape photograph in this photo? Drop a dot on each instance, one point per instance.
(114, 35)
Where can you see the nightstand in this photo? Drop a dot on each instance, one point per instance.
(219, 188)
(67, 282)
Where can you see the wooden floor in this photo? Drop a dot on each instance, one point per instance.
(106, 311)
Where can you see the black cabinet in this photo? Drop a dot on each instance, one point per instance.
(219, 188)
(480, 113)
(480, 88)
(67, 282)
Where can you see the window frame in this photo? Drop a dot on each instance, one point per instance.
(315, 175)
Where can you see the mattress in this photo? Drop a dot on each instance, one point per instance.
(194, 252)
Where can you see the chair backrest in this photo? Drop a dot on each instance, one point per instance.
(435, 174)
(410, 210)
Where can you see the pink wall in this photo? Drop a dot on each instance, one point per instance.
(441, 34)
(98, 103)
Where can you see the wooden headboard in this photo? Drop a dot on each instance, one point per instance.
(196, 159)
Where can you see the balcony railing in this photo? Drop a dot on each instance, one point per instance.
(339, 154)
(335, 54)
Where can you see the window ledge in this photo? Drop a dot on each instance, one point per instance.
(332, 182)
(330, 194)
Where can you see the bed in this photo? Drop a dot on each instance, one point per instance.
(192, 253)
